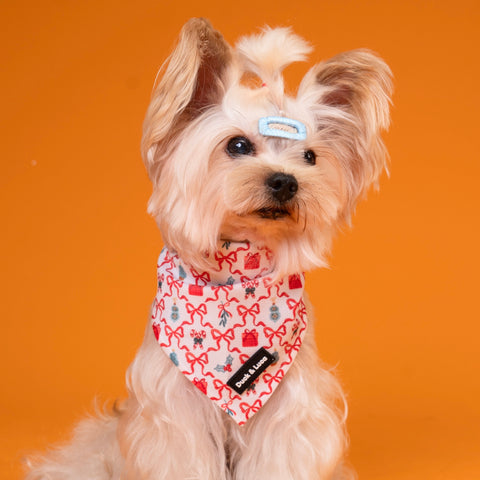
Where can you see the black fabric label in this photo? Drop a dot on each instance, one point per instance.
(250, 370)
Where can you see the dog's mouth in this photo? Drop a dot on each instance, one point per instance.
(273, 213)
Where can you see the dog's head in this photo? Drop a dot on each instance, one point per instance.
(232, 157)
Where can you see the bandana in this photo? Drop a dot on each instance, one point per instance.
(230, 331)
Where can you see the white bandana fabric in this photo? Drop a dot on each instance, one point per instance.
(225, 323)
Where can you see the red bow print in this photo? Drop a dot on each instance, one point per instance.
(178, 334)
(158, 308)
(250, 409)
(253, 311)
(228, 336)
(174, 285)
(202, 360)
(222, 390)
(271, 379)
(203, 277)
(201, 310)
(230, 258)
(280, 332)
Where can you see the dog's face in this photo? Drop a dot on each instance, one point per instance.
(217, 175)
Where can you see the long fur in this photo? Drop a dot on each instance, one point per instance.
(166, 428)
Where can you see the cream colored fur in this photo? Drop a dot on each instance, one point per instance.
(167, 429)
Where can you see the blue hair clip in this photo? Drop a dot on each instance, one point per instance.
(282, 127)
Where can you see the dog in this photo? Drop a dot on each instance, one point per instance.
(250, 185)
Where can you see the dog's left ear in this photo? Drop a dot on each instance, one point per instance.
(193, 80)
(355, 87)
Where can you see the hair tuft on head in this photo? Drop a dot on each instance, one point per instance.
(268, 53)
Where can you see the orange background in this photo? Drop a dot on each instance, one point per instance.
(398, 310)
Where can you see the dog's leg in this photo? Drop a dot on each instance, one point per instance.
(170, 430)
(299, 434)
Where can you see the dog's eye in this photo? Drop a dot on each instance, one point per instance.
(240, 146)
(310, 157)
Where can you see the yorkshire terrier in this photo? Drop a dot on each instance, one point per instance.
(249, 187)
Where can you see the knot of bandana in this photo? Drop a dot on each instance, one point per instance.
(213, 324)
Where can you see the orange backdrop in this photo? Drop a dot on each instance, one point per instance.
(398, 310)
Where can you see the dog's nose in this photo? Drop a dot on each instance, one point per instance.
(283, 186)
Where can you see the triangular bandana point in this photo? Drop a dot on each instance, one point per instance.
(211, 323)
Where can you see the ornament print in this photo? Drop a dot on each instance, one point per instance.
(211, 323)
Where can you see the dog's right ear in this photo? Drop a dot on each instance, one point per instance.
(194, 79)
